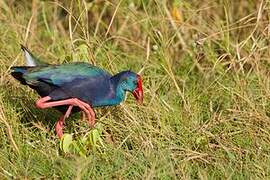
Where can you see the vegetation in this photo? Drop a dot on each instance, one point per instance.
(206, 75)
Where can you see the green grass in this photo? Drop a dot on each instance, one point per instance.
(205, 68)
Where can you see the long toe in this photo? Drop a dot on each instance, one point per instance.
(91, 121)
(59, 129)
(59, 132)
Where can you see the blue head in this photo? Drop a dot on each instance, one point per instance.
(129, 81)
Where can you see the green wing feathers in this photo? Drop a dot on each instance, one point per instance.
(57, 74)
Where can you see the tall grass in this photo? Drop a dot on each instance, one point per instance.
(205, 68)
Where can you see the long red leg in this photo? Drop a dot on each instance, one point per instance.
(42, 103)
(68, 111)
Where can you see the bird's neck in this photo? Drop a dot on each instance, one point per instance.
(118, 87)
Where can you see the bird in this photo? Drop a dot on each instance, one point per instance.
(76, 86)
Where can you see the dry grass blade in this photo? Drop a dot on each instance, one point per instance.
(113, 16)
(8, 128)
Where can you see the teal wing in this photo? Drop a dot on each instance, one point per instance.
(59, 75)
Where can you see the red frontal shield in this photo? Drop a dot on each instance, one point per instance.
(138, 92)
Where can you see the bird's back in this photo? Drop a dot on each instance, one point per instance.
(76, 80)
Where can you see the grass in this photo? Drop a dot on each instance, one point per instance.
(205, 67)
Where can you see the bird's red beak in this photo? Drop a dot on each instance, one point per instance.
(138, 92)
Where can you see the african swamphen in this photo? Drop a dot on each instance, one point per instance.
(76, 84)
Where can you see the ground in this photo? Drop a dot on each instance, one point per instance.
(206, 78)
